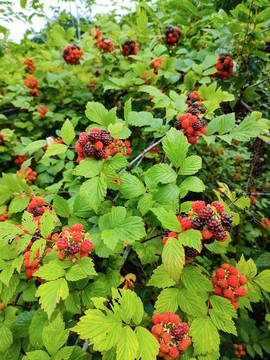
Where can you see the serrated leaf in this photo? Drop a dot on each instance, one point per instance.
(190, 165)
(117, 162)
(131, 186)
(162, 173)
(205, 336)
(167, 218)
(93, 191)
(128, 345)
(191, 238)
(145, 202)
(61, 206)
(175, 145)
(226, 123)
(167, 301)
(223, 321)
(160, 278)
(67, 132)
(191, 183)
(191, 303)
(50, 294)
(35, 145)
(263, 280)
(88, 168)
(81, 269)
(247, 129)
(39, 320)
(242, 202)
(54, 335)
(193, 279)
(6, 274)
(37, 355)
(50, 271)
(173, 258)
(55, 149)
(18, 204)
(6, 338)
(46, 224)
(148, 344)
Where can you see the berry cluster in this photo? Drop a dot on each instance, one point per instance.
(1, 138)
(29, 175)
(119, 146)
(30, 66)
(147, 82)
(93, 144)
(265, 223)
(20, 159)
(97, 33)
(156, 64)
(105, 44)
(172, 335)
(72, 243)
(239, 350)
(4, 216)
(191, 126)
(43, 111)
(32, 84)
(52, 140)
(229, 283)
(130, 47)
(37, 207)
(32, 267)
(195, 104)
(224, 67)
(72, 54)
(91, 85)
(173, 35)
(211, 220)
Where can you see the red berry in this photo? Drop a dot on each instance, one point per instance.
(228, 294)
(215, 279)
(197, 206)
(62, 243)
(77, 227)
(192, 119)
(235, 305)
(242, 279)
(77, 236)
(183, 345)
(86, 246)
(233, 270)
(218, 290)
(164, 348)
(157, 318)
(166, 337)
(233, 280)
(158, 329)
(220, 273)
(186, 223)
(218, 206)
(192, 140)
(185, 327)
(185, 124)
(174, 352)
(165, 319)
(225, 266)
(98, 145)
(223, 284)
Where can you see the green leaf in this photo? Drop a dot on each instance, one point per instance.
(131, 186)
(167, 218)
(263, 280)
(54, 335)
(97, 113)
(18, 204)
(46, 224)
(162, 173)
(142, 21)
(128, 345)
(6, 338)
(50, 271)
(148, 345)
(67, 132)
(39, 320)
(226, 123)
(93, 191)
(205, 336)
(223, 321)
(11, 183)
(193, 279)
(88, 168)
(141, 118)
(61, 206)
(117, 162)
(209, 61)
(175, 145)
(50, 294)
(242, 202)
(173, 258)
(6, 274)
(81, 269)
(55, 149)
(247, 129)
(65, 352)
(191, 183)
(35, 145)
(167, 301)
(145, 203)
(190, 165)
(191, 238)
(160, 278)
(191, 303)
(37, 355)
(23, 3)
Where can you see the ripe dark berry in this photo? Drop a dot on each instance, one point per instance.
(105, 137)
(100, 154)
(74, 248)
(205, 213)
(89, 150)
(190, 252)
(38, 210)
(198, 125)
(62, 244)
(226, 219)
(178, 125)
(213, 225)
(178, 332)
(37, 235)
(220, 235)
(193, 111)
(197, 223)
(93, 137)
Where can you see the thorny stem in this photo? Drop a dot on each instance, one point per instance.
(153, 237)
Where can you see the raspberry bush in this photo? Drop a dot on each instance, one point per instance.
(134, 202)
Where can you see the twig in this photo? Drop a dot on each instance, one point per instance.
(257, 83)
(85, 345)
(153, 237)
(246, 106)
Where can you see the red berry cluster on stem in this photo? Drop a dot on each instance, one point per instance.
(20, 159)
(30, 66)
(72, 54)
(43, 111)
(156, 64)
(130, 47)
(29, 175)
(224, 67)
(72, 243)
(191, 126)
(91, 85)
(37, 207)
(194, 103)
(147, 82)
(105, 44)
(172, 335)
(228, 282)
(120, 146)
(173, 35)
(31, 268)
(4, 216)
(239, 350)
(98, 33)
(32, 84)
(93, 144)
